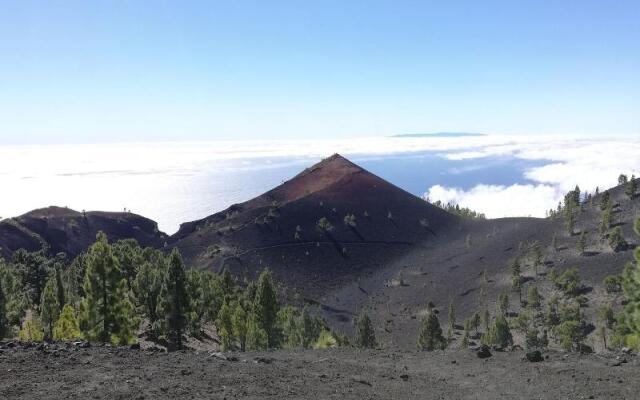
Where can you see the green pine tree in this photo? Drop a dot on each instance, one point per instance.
(498, 334)
(503, 304)
(631, 187)
(607, 216)
(486, 320)
(365, 334)
(627, 329)
(173, 305)
(224, 325)
(66, 328)
(257, 338)
(146, 288)
(533, 297)
(31, 329)
(581, 245)
(289, 327)
(431, 337)
(309, 330)
(239, 325)
(265, 309)
(49, 307)
(106, 313)
(60, 289)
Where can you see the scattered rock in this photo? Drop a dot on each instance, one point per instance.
(361, 380)
(263, 360)
(534, 356)
(483, 352)
(135, 346)
(221, 356)
(404, 377)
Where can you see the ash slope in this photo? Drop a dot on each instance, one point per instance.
(371, 223)
(112, 373)
(71, 232)
(392, 254)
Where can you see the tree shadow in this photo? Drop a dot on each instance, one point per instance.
(336, 244)
(590, 253)
(585, 290)
(355, 231)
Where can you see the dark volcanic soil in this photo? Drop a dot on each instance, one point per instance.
(108, 373)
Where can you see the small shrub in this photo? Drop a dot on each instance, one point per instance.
(612, 284)
(616, 240)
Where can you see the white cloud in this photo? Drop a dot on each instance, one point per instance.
(117, 175)
(497, 201)
(572, 160)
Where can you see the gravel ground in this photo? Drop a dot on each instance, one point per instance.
(73, 372)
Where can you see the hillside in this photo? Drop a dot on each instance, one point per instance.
(368, 223)
(69, 231)
(345, 241)
(448, 270)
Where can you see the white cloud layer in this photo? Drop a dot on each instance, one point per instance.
(587, 162)
(497, 201)
(165, 181)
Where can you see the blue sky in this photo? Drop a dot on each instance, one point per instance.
(105, 71)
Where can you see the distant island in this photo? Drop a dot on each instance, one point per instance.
(439, 134)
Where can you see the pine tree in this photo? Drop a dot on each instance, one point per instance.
(239, 325)
(146, 288)
(431, 334)
(503, 304)
(309, 331)
(452, 315)
(228, 285)
(498, 334)
(60, 290)
(257, 338)
(627, 329)
(486, 320)
(106, 313)
(66, 328)
(4, 324)
(476, 321)
(265, 308)
(465, 339)
(631, 188)
(533, 297)
(173, 305)
(516, 278)
(288, 324)
(605, 201)
(622, 179)
(31, 329)
(365, 334)
(536, 252)
(607, 217)
(49, 308)
(224, 326)
(569, 219)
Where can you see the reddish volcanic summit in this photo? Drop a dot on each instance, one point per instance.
(330, 220)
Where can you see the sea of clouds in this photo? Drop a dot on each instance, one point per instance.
(568, 161)
(177, 182)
